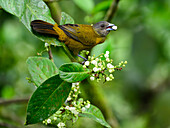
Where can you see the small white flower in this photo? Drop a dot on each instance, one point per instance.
(46, 44)
(77, 83)
(73, 110)
(87, 106)
(107, 52)
(106, 55)
(111, 70)
(75, 90)
(94, 62)
(49, 121)
(99, 69)
(74, 95)
(96, 59)
(67, 107)
(95, 69)
(61, 124)
(92, 58)
(92, 78)
(69, 98)
(99, 64)
(109, 65)
(73, 85)
(74, 102)
(55, 118)
(111, 76)
(107, 59)
(84, 66)
(107, 78)
(87, 63)
(83, 109)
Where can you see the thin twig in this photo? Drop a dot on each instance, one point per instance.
(112, 10)
(13, 101)
(54, 9)
(50, 54)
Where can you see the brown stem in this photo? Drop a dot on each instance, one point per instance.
(13, 101)
(54, 9)
(112, 10)
(50, 54)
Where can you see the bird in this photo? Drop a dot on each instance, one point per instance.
(77, 37)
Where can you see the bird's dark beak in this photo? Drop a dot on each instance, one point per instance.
(111, 27)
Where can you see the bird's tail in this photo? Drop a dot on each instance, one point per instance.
(43, 27)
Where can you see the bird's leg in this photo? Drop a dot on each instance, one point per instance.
(82, 58)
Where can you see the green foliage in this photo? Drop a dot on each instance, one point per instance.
(66, 19)
(41, 69)
(95, 114)
(102, 6)
(89, 5)
(28, 11)
(51, 94)
(47, 99)
(53, 88)
(139, 97)
(73, 72)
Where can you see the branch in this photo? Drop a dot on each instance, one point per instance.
(50, 54)
(54, 9)
(13, 101)
(68, 53)
(112, 10)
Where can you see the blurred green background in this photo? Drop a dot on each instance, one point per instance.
(140, 94)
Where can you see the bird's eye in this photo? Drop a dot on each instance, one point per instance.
(102, 25)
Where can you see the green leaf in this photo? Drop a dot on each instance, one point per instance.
(66, 19)
(29, 10)
(47, 99)
(73, 72)
(102, 6)
(41, 69)
(95, 114)
(85, 5)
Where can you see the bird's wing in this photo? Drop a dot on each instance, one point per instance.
(81, 33)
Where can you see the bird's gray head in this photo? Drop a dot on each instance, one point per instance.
(103, 28)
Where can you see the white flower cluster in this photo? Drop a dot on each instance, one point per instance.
(76, 106)
(70, 110)
(61, 125)
(102, 67)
